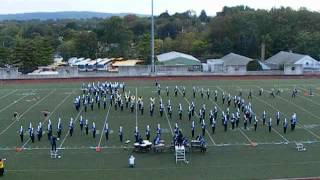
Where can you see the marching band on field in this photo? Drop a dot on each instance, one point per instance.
(115, 92)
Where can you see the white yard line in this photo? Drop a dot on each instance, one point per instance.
(51, 113)
(198, 117)
(302, 126)
(244, 134)
(75, 122)
(304, 178)
(285, 139)
(14, 102)
(3, 131)
(105, 122)
(9, 94)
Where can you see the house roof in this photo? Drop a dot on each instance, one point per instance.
(214, 61)
(235, 60)
(173, 55)
(264, 66)
(285, 58)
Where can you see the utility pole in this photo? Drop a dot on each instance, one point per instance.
(152, 40)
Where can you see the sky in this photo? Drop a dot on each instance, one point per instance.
(143, 6)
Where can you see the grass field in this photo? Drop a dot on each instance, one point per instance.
(230, 155)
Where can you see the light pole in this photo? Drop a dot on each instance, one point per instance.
(152, 40)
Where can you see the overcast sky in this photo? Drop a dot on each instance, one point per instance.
(143, 6)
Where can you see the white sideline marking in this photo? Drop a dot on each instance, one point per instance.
(228, 166)
(118, 147)
(198, 117)
(54, 110)
(304, 178)
(9, 94)
(105, 122)
(2, 132)
(302, 125)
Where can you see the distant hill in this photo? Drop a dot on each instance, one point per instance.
(60, 15)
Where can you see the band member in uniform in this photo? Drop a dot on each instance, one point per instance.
(86, 126)
(21, 133)
(192, 128)
(59, 131)
(121, 133)
(81, 123)
(180, 111)
(148, 132)
(93, 130)
(270, 125)
(255, 124)
(213, 125)
(285, 126)
(278, 118)
(264, 116)
(71, 126)
(203, 127)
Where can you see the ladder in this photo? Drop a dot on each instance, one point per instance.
(54, 154)
(180, 153)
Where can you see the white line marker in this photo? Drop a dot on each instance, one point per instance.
(105, 122)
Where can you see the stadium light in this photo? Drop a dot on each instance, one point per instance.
(152, 39)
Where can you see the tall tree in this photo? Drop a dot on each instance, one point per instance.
(203, 17)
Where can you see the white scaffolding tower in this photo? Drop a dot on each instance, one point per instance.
(180, 154)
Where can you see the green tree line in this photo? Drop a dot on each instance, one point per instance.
(240, 29)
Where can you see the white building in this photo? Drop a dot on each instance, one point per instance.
(283, 58)
(231, 63)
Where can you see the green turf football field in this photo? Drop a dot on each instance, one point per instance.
(230, 155)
